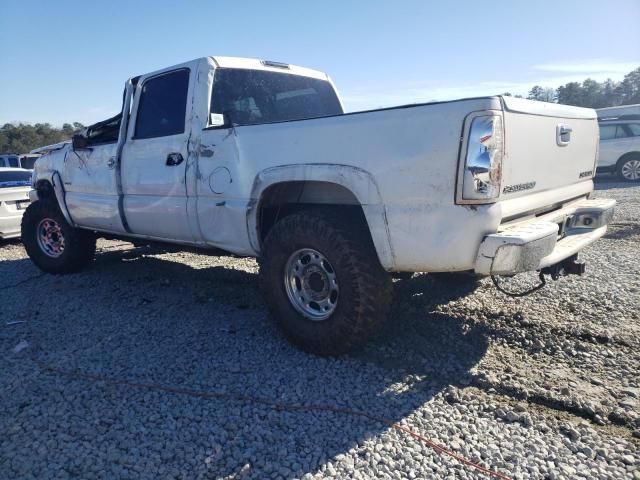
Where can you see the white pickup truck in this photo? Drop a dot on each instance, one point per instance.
(257, 158)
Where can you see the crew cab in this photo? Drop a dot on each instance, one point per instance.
(258, 158)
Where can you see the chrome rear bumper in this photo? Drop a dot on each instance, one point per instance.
(541, 242)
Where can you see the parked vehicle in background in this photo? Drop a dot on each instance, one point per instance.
(616, 112)
(258, 159)
(619, 151)
(28, 160)
(9, 160)
(15, 184)
(49, 148)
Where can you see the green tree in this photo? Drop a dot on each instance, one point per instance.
(609, 93)
(22, 138)
(591, 94)
(570, 94)
(536, 93)
(542, 94)
(608, 96)
(629, 89)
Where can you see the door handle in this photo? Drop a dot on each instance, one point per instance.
(174, 159)
(111, 162)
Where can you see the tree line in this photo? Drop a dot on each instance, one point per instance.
(592, 94)
(22, 137)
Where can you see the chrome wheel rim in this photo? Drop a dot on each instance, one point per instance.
(50, 238)
(631, 170)
(311, 284)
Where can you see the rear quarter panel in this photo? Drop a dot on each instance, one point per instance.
(411, 154)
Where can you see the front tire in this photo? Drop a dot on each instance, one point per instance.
(323, 282)
(51, 243)
(629, 169)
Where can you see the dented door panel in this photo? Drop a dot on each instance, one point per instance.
(90, 184)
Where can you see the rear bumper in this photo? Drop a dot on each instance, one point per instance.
(541, 242)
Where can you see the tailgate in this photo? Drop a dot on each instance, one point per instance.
(539, 156)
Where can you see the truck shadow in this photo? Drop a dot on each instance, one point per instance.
(608, 182)
(151, 319)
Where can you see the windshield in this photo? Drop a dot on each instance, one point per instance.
(15, 179)
(249, 97)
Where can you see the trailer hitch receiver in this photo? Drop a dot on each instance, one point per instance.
(568, 266)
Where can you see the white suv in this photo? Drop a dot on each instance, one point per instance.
(620, 147)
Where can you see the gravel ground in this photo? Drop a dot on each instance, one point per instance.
(545, 386)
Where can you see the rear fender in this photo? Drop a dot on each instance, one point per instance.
(358, 181)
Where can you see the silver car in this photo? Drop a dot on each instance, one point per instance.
(620, 147)
(15, 184)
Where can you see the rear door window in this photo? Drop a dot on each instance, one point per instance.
(621, 132)
(163, 105)
(634, 129)
(609, 132)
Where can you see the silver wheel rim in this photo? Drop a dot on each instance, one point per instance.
(631, 170)
(311, 284)
(50, 238)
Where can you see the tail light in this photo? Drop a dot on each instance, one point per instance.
(482, 171)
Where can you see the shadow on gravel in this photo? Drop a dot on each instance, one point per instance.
(149, 319)
(608, 182)
(9, 241)
(622, 230)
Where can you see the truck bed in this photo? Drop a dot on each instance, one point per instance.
(412, 155)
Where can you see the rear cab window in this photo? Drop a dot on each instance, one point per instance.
(251, 97)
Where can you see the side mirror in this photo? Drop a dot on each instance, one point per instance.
(217, 120)
(79, 142)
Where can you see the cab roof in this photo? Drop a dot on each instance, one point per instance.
(267, 65)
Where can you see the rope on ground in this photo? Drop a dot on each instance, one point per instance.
(22, 282)
(266, 402)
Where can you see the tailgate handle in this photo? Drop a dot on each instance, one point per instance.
(563, 134)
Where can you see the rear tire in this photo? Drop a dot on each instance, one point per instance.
(51, 243)
(352, 292)
(629, 169)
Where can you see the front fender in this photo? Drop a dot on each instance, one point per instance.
(47, 170)
(358, 181)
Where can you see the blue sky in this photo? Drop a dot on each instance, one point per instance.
(65, 61)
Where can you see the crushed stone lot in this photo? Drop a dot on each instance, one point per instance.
(103, 372)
